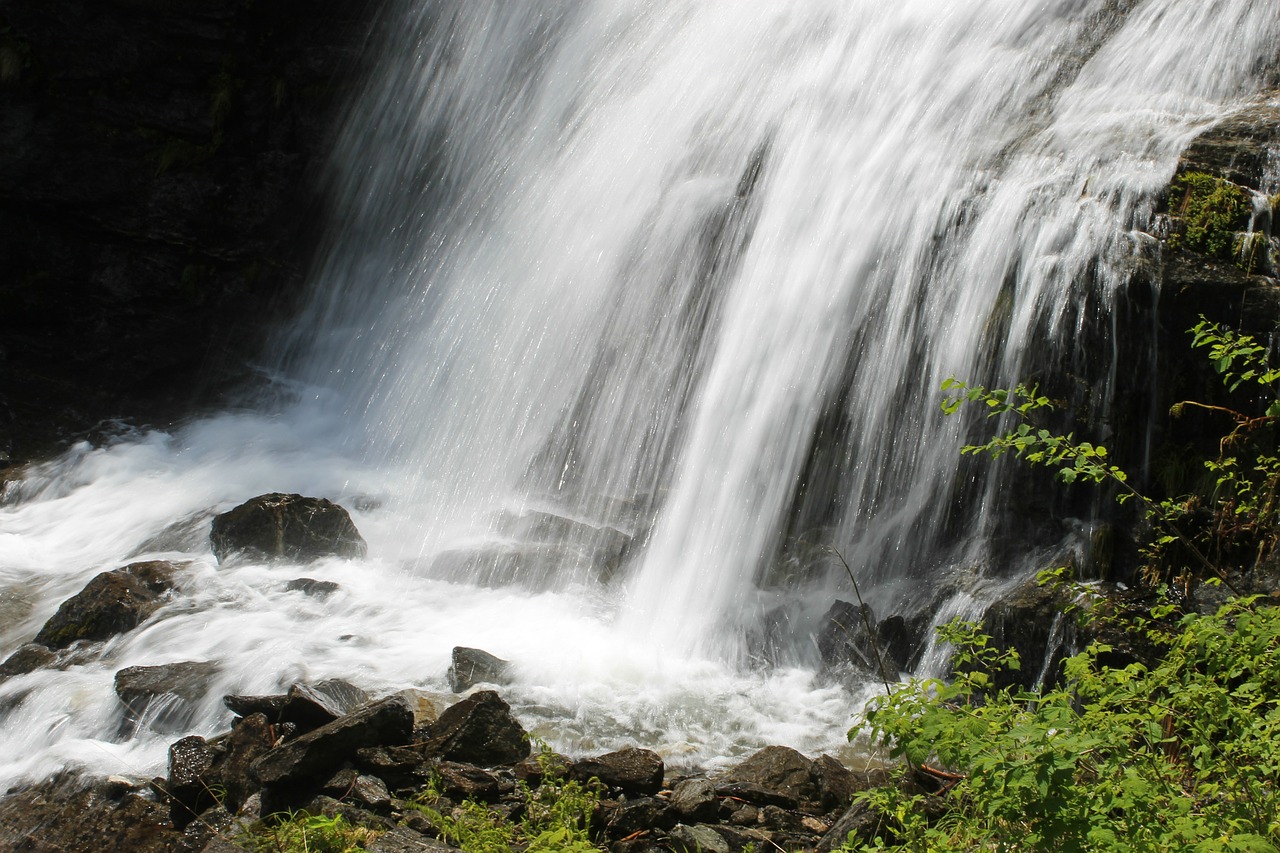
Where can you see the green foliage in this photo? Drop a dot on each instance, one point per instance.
(556, 817)
(1212, 210)
(1182, 756)
(299, 832)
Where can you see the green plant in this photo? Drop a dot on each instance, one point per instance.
(300, 832)
(556, 816)
(1182, 756)
(1211, 209)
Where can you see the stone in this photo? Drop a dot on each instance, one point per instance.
(749, 792)
(165, 697)
(112, 603)
(313, 705)
(835, 784)
(288, 528)
(310, 756)
(1024, 620)
(475, 666)
(695, 800)
(468, 782)
(858, 821)
(401, 839)
(479, 730)
(775, 770)
(398, 766)
(244, 706)
(640, 814)
(635, 771)
(845, 639)
(250, 739)
(534, 769)
(312, 587)
(697, 839)
(190, 786)
(28, 658)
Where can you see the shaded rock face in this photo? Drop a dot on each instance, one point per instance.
(287, 528)
(632, 770)
(164, 697)
(474, 666)
(479, 730)
(155, 158)
(112, 603)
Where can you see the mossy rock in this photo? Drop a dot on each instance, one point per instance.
(1211, 211)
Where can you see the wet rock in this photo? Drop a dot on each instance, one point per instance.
(479, 730)
(313, 705)
(312, 587)
(475, 666)
(638, 815)
(360, 788)
(845, 639)
(244, 706)
(535, 768)
(68, 814)
(280, 527)
(112, 603)
(697, 839)
(165, 697)
(190, 786)
(695, 800)
(26, 659)
(1029, 620)
(635, 771)
(749, 792)
(466, 781)
(315, 754)
(398, 766)
(859, 822)
(252, 738)
(778, 771)
(401, 839)
(834, 783)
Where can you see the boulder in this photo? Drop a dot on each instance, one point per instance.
(312, 705)
(697, 839)
(468, 782)
(316, 754)
(475, 666)
(695, 800)
(312, 587)
(845, 639)
(834, 783)
(632, 770)
(190, 786)
(252, 738)
(27, 658)
(289, 528)
(163, 697)
(401, 839)
(479, 730)
(112, 603)
(777, 770)
(642, 813)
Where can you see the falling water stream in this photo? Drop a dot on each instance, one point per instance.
(629, 314)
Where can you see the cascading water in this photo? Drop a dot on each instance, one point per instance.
(628, 308)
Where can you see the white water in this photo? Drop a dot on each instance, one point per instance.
(691, 271)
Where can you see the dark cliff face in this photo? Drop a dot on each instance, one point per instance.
(158, 165)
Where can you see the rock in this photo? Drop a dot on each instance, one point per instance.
(68, 814)
(777, 770)
(312, 587)
(26, 659)
(635, 771)
(534, 769)
(244, 706)
(112, 603)
(1029, 620)
(315, 754)
(163, 697)
(474, 666)
(360, 788)
(190, 786)
(640, 814)
(251, 739)
(313, 705)
(844, 639)
(279, 527)
(401, 839)
(466, 781)
(835, 784)
(758, 794)
(858, 822)
(695, 800)
(479, 730)
(697, 839)
(398, 766)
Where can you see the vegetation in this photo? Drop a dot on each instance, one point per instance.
(1182, 752)
(1212, 210)
(556, 817)
(300, 832)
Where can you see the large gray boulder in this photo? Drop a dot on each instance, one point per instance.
(479, 730)
(285, 528)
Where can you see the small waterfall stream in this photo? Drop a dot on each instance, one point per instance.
(629, 312)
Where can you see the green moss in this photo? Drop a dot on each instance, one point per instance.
(1211, 210)
(1250, 251)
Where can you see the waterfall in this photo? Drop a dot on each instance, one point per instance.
(631, 314)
